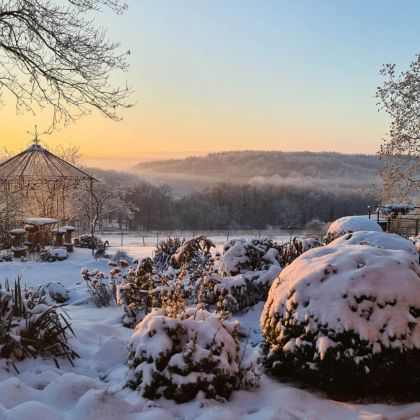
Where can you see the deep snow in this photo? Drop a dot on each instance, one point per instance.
(93, 388)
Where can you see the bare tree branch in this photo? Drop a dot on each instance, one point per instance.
(399, 96)
(53, 56)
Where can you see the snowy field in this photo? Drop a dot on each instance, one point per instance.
(93, 388)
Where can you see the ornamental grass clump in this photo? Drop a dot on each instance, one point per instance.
(346, 320)
(31, 327)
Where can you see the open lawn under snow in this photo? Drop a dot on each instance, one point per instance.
(93, 388)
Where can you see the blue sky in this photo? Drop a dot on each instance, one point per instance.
(281, 75)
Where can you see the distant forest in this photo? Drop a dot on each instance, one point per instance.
(329, 171)
(230, 205)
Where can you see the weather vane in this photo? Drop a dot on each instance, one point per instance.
(36, 139)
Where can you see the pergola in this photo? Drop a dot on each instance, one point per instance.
(37, 183)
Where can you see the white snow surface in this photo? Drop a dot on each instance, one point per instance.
(328, 281)
(377, 239)
(92, 389)
(352, 224)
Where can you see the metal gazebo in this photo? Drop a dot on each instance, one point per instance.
(36, 183)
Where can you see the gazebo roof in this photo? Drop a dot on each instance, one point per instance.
(37, 163)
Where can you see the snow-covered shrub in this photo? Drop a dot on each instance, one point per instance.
(164, 251)
(235, 293)
(6, 258)
(178, 357)
(87, 241)
(193, 257)
(57, 292)
(350, 224)
(53, 254)
(240, 256)
(290, 251)
(102, 290)
(29, 327)
(119, 256)
(347, 320)
(135, 293)
(377, 239)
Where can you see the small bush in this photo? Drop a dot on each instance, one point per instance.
(290, 251)
(88, 241)
(180, 356)
(164, 251)
(135, 293)
(101, 289)
(193, 257)
(240, 256)
(53, 254)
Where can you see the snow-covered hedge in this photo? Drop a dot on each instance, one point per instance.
(377, 239)
(351, 224)
(178, 357)
(347, 319)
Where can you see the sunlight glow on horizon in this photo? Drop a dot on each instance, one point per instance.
(244, 75)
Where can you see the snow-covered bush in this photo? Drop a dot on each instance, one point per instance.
(57, 292)
(53, 254)
(119, 256)
(350, 224)
(87, 241)
(290, 251)
(377, 239)
(29, 327)
(240, 256)
(4, 257)
(178, 357)
(347, 320)
(235, 293)
(102, 290)
(193, 257)
(164, 251)
(135, 293)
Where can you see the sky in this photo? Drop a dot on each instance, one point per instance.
(214, 75)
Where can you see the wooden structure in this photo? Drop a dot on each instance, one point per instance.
(401, 219)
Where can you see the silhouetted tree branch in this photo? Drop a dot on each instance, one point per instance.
(53, 56)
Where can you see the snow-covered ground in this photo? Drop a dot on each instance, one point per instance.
(93, 388)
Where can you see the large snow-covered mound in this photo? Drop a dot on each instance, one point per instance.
(377, 239)
(351, 224)
(347, 318)
(178, 357)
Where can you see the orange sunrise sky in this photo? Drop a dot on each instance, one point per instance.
(216, 75)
